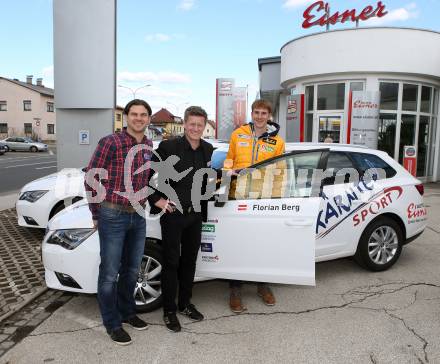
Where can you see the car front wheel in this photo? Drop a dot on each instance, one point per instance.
(34, 149)
(380, 245)
(148, 291)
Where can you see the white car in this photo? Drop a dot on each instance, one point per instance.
(43, 198)
(370, 219)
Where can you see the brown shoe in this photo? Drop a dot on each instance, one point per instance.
(235, 303)
(266, 294)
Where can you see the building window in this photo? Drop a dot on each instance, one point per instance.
(27, 105)
(50, 107)
(3, 106)
(409, 97)
(387, 133)
(118, 117)
(407, 133)
(422, 145)
(3, 128)
(425, 103)
(309, 97)
(28, 128)
(357, 86)
(50, 128)
(331, 96)
(388, 95)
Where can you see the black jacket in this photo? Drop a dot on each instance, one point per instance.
(176, 147)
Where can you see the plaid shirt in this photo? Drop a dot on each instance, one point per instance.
(111, 154)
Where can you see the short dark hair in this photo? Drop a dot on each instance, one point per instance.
(195, 111)
(136, 102)
(262, 104)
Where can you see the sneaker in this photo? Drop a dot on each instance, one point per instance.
(136, 323)
(192, 313)
(120, 336)
(266, 294)
(171, 322)
(235, 303)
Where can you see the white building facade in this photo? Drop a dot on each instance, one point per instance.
(402, 63)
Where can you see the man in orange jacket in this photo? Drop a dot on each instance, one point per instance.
(249, 144)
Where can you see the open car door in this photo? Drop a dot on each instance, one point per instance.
(265, 231)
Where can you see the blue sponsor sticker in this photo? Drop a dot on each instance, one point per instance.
(206, 247)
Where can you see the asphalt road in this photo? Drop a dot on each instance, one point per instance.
(19, 168)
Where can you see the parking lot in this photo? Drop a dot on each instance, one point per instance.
(19, 168)
(352, 315)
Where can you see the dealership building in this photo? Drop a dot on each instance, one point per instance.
(400, 65)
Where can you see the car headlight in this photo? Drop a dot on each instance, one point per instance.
(32, 196)
(69, 238)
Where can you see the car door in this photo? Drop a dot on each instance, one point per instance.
(343, 194)
(265, 231)
(20, 144)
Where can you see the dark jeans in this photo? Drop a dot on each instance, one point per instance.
(181, 235)
(122, 241)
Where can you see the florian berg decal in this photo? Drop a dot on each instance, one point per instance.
(416, 213)
(341, 207)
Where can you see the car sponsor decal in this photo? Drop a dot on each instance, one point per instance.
(341, 207)
(213, 221)
(381, 202)
(210, 258)
(282, 207)
(206, 247)
(208, 228)
(270, 141)
(416, 213)
(243, 144)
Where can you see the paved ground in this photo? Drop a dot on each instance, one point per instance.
(351, 316)
(21, 270)
(19, 168)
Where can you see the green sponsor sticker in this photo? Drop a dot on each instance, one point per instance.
(208, 228)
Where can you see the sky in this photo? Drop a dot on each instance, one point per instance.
(180, 47)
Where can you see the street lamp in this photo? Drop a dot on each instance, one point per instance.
(135, 90)
(178, 106)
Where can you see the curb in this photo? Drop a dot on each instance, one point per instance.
(8, 200)
(24, 303)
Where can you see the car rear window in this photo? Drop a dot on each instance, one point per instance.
(365, 161)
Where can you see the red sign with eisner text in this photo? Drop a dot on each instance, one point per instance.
(319, 14)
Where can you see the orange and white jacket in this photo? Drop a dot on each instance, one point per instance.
(245, 149)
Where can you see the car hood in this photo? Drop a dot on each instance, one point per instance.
(76, 216)
(49, 182)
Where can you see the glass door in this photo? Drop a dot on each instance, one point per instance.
(329, 128)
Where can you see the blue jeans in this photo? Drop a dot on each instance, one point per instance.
(122, 240)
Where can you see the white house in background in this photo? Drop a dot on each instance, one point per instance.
(27, 109)
(209, 131)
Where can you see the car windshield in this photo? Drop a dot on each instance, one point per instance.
(217, 159)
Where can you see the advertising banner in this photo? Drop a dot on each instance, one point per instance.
(294, 118)
(240, 106)
(410, 159)
(225, 107)
(363, 121)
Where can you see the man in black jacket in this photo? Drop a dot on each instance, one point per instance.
(181, 221)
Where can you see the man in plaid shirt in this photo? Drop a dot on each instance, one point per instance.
(120, 217)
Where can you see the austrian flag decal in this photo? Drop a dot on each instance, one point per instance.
(242, 208)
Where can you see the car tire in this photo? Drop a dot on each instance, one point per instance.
(380, 245)
(148, 291)
(33, 149)
(6, 148)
